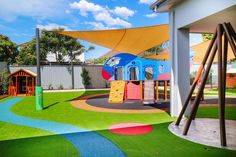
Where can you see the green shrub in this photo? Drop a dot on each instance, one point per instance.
(4, 81)
(60, 87)
(50, 87)
(85, 77)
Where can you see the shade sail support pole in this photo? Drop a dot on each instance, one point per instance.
(38, 89)
(200, 91)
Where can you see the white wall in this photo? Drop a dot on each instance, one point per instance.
(51, 57)
(190, 11)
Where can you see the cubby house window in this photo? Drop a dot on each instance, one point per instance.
(134, 73)
(161, 68)
(148, 73)
(119, 73)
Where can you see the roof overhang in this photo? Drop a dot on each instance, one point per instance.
(164, 5)
(209, 24)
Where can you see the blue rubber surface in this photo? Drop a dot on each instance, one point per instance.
(88, 143)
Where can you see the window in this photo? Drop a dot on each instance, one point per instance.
(134, 73)
(148, 73)
(161, 68)
(119, 73)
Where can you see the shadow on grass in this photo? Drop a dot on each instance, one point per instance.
(86, 94)
(50, 105)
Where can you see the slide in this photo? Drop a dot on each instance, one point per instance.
(117, 92)
(149, 92)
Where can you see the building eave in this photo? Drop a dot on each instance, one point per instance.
(164, 5)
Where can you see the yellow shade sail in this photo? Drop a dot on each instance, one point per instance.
(200, 50)
(130, 40)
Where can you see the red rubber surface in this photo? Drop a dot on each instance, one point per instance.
(131, 128)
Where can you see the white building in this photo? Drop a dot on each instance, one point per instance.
(185, 16)
(52, 58)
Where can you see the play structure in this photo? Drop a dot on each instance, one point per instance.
(135, 78)
(22, 82)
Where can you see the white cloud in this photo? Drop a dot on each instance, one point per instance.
(52, 26)
(123, 12)
(102, 14)
(152, 15)
(147, 1)
(107, 19)
(85, 7)
(97, 25)
(40, 9)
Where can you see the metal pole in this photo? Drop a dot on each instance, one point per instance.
(199, 94)
(221, 101)
(186, 103)
(72, 72)
(38, 89)
(38, 58)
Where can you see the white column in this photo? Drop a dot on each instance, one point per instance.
(180, 83)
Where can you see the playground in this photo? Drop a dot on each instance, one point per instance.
(141, 101)
(132, 118)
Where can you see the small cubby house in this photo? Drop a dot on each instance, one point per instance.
(22, 82)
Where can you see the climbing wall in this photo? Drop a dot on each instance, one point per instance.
(117, 92)
(149, 92)
(133, 91)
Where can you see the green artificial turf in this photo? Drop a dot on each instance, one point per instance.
(213, 112)
(159, 143)
(229, 92)
(162, 143)
(45, 146)
(10, 131)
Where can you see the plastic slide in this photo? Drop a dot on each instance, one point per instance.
(149, 93)
(117, 92)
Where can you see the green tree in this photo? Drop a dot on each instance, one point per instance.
(60, 45)
(4, 81)
(155, 49)
(206, 36)
(100, 60)
(85, 77)
(8, 50)
(27, 54)
(50, 42)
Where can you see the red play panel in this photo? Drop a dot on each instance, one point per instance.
(131, 128)
(133, 91)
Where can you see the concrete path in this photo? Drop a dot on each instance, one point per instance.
(88, 143)
(207, 131)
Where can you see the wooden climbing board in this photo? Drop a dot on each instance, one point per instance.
(117, 92)
(149, 91)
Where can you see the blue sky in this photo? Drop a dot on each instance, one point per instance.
(19, 18)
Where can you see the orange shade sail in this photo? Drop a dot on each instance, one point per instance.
(200, 50)
(130, 40)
